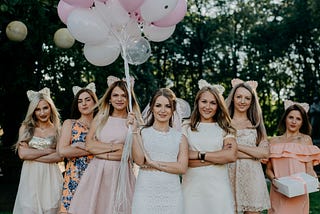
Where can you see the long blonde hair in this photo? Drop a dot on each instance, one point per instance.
(106, 109)
(30, 121)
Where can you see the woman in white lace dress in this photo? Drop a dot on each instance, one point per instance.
(212, 144)
(246, 174)
(162, 154)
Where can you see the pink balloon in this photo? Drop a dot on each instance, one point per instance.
(131, 5)
(64, 9)
(80, 3)
(174, 16)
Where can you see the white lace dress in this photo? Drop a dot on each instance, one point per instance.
(247, 177)
(207, 189)
(158, 192)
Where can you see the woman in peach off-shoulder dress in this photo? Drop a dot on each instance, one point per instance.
(290, 153)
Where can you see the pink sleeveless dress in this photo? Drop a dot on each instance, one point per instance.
(96, 191)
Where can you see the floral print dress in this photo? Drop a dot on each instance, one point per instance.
(75, 166)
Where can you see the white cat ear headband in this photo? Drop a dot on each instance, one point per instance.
(288, 103)
(202, 83)
(90, 86)
(112, 79)
(253, 84)
(32, 94)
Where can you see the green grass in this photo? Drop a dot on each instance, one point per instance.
(8, 192)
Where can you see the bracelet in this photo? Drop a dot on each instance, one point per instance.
(135, 132)
(199, 156)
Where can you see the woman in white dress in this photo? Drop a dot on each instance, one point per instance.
(212, 144)
(162, 154)
(41, 179)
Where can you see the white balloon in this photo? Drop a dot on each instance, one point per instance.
(152, 10)
(138, 50)
(86, 27)
(63, 39)
(118, 14)
(102, 54)
(157, 34)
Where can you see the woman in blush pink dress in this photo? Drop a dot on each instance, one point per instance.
(292, 152)
(96, 192)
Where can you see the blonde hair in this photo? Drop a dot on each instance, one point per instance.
(106, 109)
(30, 121)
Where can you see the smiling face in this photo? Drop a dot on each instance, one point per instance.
(43, 111)
(119, 99)
(162, 109)
(294, 121)
(208, 106)
(242, 99)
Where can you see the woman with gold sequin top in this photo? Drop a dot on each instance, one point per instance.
(41, 179)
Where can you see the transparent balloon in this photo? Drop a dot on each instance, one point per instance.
(137, 50)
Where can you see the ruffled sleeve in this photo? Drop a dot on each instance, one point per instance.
(304, 153)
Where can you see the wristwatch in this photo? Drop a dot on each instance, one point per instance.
(202, 156)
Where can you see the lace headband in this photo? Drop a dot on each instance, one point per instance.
(32, 94)
(253, 84)
(112, 79)
(202, 83)
(288, 103)
(91, 86)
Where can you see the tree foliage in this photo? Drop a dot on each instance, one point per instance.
(273, 42)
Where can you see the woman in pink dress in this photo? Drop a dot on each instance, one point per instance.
(96, 192)
(290, 153)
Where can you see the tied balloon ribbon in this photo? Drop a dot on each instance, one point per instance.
(125, 173)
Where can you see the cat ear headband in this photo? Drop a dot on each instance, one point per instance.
(253, 84)
(91, 86)
(288, 103)
(32, 94)
(112, 79)
(202, 83)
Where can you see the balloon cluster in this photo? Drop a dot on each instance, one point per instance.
(109, 28)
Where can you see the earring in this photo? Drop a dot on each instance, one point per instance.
(109, 102)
